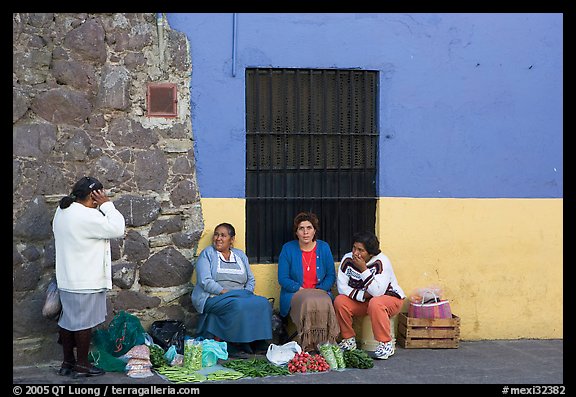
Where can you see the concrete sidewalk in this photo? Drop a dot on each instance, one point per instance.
(505, 362)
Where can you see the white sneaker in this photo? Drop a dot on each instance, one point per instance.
(384, 350)
(348, 344)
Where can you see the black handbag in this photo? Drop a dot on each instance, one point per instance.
(279, 333)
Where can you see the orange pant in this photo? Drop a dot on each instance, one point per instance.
(379, 308)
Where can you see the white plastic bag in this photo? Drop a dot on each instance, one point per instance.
(52, 306)
(281, 354)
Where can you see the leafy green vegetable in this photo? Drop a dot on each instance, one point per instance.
(357, 358)
(156, 356)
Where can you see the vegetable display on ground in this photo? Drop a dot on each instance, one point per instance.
(304, 362)
(358, 358)
(157, 356)
(180, 374)
(256, 367)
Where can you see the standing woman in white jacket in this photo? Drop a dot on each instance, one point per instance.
(83, 224)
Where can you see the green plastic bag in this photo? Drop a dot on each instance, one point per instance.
(100, 355)
(124, 332)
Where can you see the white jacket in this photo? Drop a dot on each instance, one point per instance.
(376, 279)
(81, 234)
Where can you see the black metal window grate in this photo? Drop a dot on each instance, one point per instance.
(311, 145)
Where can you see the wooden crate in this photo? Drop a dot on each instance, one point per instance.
(428, 333)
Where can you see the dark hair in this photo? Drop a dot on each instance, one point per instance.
(231, 230)
(306, 216)
(369, 240)
(81, 190)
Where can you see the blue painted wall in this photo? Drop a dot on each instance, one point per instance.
(471, 105)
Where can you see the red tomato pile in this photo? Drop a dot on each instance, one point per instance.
(304, 362)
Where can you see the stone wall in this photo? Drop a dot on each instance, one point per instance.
(79, 108)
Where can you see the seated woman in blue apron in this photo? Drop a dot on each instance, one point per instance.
(224, 296)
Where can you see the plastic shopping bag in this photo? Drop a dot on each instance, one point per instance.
(426, 303)
(166, 333)
(52, 306)
(213, 350)
(125, 331)
(440, 309)
(281, 354)
(192, 354)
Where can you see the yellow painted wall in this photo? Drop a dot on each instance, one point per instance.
(499, 261)
(218, 210)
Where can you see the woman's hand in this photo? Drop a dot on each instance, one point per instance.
(359, 262)
(223, 291)
(99, 197)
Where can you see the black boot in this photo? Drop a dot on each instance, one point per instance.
(83, 368)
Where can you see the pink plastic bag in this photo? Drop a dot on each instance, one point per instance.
(426, 303)
(440, 309)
